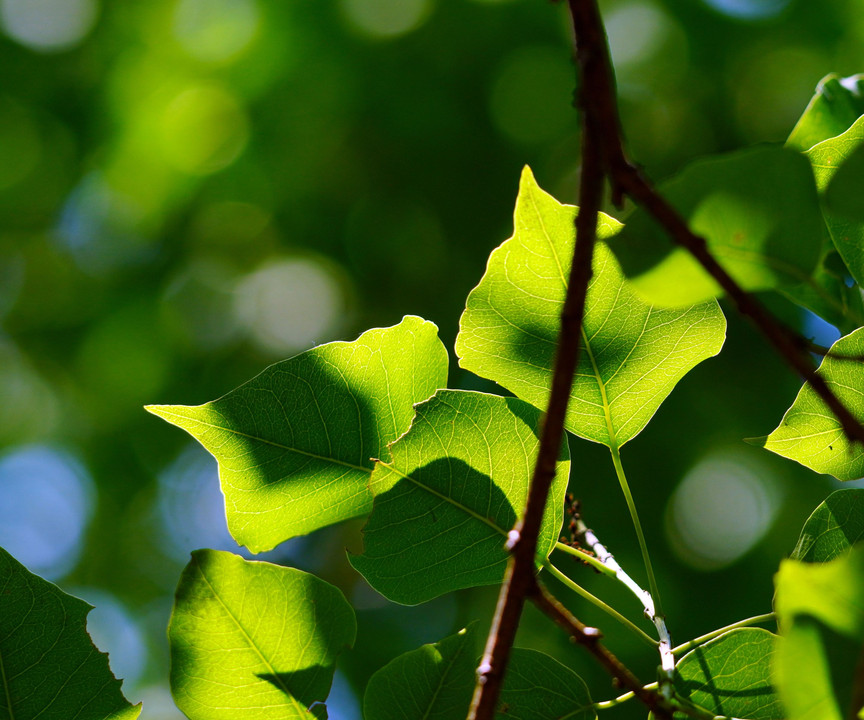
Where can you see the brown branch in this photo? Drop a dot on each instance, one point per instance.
(589, 638)
(599, 83)
(519, 579)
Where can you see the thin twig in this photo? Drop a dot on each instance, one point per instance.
(598, 81)
(695, 642)
(519, 578)
(589, 638)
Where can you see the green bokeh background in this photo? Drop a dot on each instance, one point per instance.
(193, 189)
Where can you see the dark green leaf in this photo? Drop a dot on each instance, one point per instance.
(844, 195)
(49, 667)
(835, 526)
(809, 433)
(295, 444)
(633, 354)
(820, 609)
(759, 212)
(837, 104)
(730, 675)
(251, 639)
(434, 682)
(444, 505)
(847, 235)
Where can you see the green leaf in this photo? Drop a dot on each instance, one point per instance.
(251, 639)
(837, 104)
(826, 158)
(444, 505)
(436, 682)
(538, 687)
(295, 444)
(835, 526)
(433, 682)
(757, 209)
(730, 675)
(49, 667)
(820, 610)
(809, 433)
(844, 195)
(633, 354)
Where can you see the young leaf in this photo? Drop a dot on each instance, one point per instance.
(835, 526)
(436, 682)
(757, 209)
(295, 444)
(433, 681)
(809, 433)
(837, 104)
(251, 639)
(444, 505)
(826, 158)
(633, 354)
(820, 610)
(730, 675)
(49, 667)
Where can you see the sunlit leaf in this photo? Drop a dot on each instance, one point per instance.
(444, 505)
(730, 675)
(633, 354)
(436, 682)
(295, 444)
(826, 158)
(49, 667)
(251, 639)
(809, 433)
(759, 213)
(835, 526)
(837, 104)
(820, 609)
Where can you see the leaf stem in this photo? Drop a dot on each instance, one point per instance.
(597, 602)
(690, 644)
(634, 516)
(587, 558)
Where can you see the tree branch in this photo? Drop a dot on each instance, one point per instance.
(598, 81)
(520, 577)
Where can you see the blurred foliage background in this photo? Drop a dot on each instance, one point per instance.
(193, 189)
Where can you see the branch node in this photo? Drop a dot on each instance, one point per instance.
(512, 538)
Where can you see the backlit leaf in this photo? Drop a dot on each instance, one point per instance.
(295, 444)
(445, 503)
(826, 158)
(251, 639)
(820, 610)
(837, 104)
(809, 433)
(49, 667)
(730, 675)
(844, 195)
(759, 213)
(633, 354)
(835, 526)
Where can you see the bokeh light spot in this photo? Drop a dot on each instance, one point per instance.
(204, 129)
(290, 304)
(216, 31)
(721, 509)
(532, 93)
(386, 18)
(46, 500)
(48, 25)
(748, 9)
(117, 633)
(636, 31)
